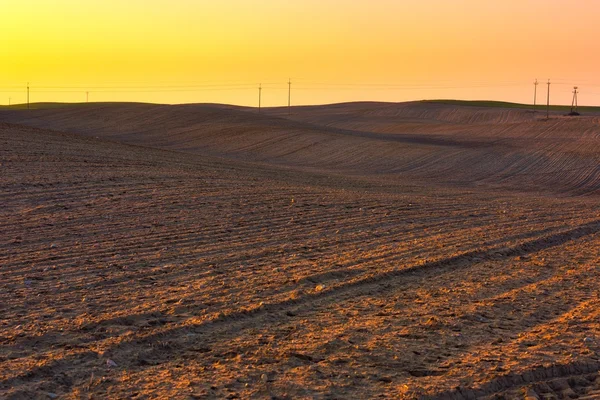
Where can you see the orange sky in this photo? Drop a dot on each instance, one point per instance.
(175, 51)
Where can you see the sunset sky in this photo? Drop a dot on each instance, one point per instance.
(178, 51)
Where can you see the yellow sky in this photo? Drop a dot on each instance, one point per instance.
(174, 51)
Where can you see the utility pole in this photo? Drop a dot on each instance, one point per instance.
(574, 102)
(259, 95)
(548, 102)
(290, 96)
(535, 85)
(28, 95)
(87, 97)
(9, 99)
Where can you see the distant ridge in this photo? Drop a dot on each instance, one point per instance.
(463, 143)
(452, 102)
(505, 104)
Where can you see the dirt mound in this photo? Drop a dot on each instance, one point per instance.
(417, 111)
(133, 272)
(427, 142)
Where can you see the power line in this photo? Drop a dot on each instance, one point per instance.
(414, 84)
(274, 84)
(139, 90)
(218, 85)
(304, 85)
(399, 88)
(240, 86)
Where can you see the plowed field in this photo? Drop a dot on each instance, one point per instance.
(350, 251)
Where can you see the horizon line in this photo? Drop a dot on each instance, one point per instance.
(457, 102)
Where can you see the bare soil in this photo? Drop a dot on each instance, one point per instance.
(365, 250)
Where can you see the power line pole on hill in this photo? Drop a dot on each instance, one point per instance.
(548, 102)
(574, 102)
(290, 96)
(28, 95)
(259, 95)
(535, 85)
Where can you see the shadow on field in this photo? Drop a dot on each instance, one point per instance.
(156, 348)
(529, 378)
